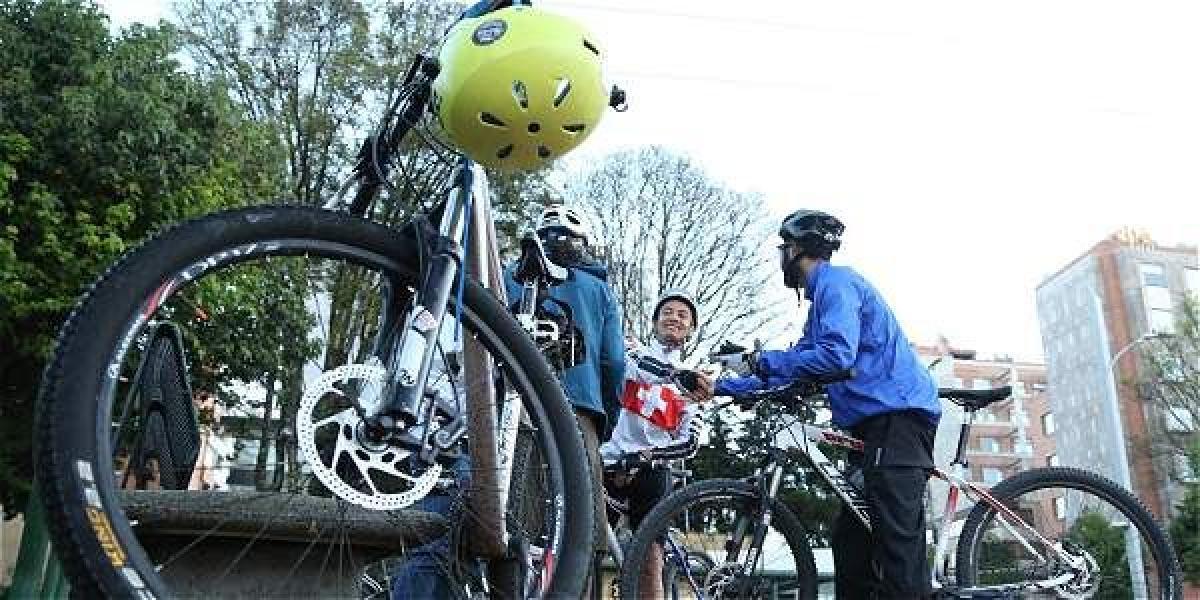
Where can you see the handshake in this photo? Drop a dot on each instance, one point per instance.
(736, 358)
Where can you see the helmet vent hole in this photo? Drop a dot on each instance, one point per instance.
(561, 90)
(534, 127)
(543, 152)
(520, 94)
(590, 46)
(488, 118)
(576, 128)
(504, 152)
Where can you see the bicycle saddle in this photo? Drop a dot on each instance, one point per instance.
(975, 399)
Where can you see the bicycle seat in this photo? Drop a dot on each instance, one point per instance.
(975, 399)
(534, 265)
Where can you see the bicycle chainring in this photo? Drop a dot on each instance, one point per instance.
(374, 477)
(1086, 581)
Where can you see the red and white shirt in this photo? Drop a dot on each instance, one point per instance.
(655, 414)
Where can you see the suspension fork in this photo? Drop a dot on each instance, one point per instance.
(409, 361)
(770, 487)
(768, 478)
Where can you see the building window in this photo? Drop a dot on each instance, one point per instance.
(1153, 275)
(1052, 460)
(1060, 508)
(992, 476)
(1048, 423)
(1162, 321)
(1183, 469)
(987, 444)
(1179, 420)
(981, 384)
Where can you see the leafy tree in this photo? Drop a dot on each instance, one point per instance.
(1170, 380)
(1106, 544)
(102, 140)
(1185, 527)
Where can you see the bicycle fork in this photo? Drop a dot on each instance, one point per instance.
(769, 475)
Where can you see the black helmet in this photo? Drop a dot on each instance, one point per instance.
(814, 233)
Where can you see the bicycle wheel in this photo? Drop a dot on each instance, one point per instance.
(1115, 547)
(280, 309)
(720, 512)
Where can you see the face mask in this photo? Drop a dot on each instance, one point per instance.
(563, 249)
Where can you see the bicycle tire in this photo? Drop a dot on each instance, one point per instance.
(970, 543)
(93, 538)
(664, 515)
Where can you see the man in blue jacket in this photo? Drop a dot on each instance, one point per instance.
(891, 405)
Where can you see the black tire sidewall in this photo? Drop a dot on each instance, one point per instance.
(68, 427)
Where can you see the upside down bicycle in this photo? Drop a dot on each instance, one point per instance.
(387, 350)
(1052, 532)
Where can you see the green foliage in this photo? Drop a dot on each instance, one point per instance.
(102, 140)
(1185, 527)
(1106, 545)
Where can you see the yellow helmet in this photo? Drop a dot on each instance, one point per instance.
(519, 87)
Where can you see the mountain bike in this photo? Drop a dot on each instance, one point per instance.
(1052, 532)
(384, 354)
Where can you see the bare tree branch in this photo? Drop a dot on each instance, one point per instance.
(665, 224)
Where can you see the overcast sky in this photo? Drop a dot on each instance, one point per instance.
(971, 148)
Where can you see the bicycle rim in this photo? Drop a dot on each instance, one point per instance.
(1113, 548)
(279, 494)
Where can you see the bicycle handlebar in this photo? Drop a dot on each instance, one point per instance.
(800, 388)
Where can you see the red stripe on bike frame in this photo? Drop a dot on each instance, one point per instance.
(157, 297)
(991, 501)
(547, 570)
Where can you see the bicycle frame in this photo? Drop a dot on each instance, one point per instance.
(805, 438)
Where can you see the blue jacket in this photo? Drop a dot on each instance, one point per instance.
(595, 384)
(849, 325)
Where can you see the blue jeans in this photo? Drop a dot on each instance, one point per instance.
(424, 572)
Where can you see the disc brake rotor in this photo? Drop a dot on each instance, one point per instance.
(377, 472)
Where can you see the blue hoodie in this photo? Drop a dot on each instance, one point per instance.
(595, 384)
(849, 325)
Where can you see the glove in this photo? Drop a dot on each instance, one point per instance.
(741, 362)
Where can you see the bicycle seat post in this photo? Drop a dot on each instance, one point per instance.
(964, 433)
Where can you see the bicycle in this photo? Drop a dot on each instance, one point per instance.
(1046, 532)
(391, 352)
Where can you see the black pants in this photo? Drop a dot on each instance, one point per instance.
(640, 493)
(890, 561)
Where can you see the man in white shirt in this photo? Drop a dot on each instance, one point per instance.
(658, 421)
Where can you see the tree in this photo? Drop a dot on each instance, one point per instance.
(1185, 527)
(1106, 545)
(666, 223)
(1170, 382)
(102, 140)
